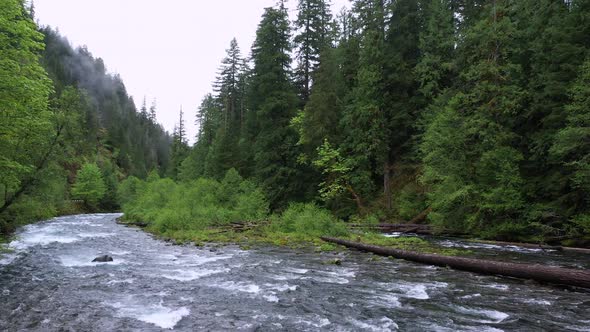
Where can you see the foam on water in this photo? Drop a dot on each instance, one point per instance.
(7, 258)
(475, 245)
(188, 275)
(284, 277)
(489, 316)
(59, 231)
(384, 324)
(317, 321)
(394, 234)
(387, 300)
(497, 286)
(155, 314)
(339, 277)
(239, 286)
(93, 235)
(271, 298)
(471, 296)
(296, 270)
(282, 288)
(580, 328)
(536, 301)
(415, 291)
(200, 260)
(412, 290)
(120, 253)
(125, 281)
(41, 236)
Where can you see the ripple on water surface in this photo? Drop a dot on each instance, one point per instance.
(156, 314)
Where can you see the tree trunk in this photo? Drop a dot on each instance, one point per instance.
(421, 217)
(357, 199)
(32, 179)
(387, 184)
(550, 274)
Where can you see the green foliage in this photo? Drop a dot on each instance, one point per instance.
(194, 205)
(488, 100)
(129, 190)
(25, 120)
(470, 161)
(314, 25)
(89, 185)
(410, 201)
(308, 219)
(407, 243)
(335, 169)
(273, 101)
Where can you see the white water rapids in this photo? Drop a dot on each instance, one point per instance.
(48, 283)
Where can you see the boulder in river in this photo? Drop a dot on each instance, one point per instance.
(103, 259)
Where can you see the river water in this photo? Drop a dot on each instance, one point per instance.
(49, 284)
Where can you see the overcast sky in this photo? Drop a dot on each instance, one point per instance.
(168, 50)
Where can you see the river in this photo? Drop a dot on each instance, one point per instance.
(48, 283)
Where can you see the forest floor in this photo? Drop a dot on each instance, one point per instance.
(261, 235)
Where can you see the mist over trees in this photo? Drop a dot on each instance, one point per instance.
(60, 109)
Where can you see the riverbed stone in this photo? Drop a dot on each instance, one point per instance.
(103, 259)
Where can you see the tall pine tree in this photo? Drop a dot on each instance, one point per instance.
(313, 25)
(273, 103)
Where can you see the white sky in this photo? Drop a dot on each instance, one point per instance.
(168, 50)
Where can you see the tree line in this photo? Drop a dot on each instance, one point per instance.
(473, 112)
(476, 111)
(63, 118)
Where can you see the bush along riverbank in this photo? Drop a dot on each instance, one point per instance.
(234, 210)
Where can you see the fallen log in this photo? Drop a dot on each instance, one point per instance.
(550, 274)
(131, 223)
(576, 250)
(421, 217)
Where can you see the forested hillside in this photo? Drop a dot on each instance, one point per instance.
(68, 130)
(476, 111)
(473, 113)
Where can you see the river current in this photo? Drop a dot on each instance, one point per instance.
(48, 283)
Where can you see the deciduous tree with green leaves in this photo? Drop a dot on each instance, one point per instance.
(89, 185)
(27, 136)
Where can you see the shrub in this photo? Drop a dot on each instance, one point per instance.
(194, 205)
(309, 219)
(129, 190)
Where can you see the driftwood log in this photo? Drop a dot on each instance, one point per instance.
(420, 218)
(550, 274)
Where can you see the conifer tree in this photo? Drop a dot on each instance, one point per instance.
(313, 24)
(180, 149)
(470, 159)
(326, 104)
(273, 100)
(572, 150)
(144, 111)
(436, 69)
(152, 114)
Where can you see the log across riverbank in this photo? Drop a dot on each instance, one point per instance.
(550, 274)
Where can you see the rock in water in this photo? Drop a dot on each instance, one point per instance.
(103, 259)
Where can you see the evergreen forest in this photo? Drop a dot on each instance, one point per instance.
(470, 115)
